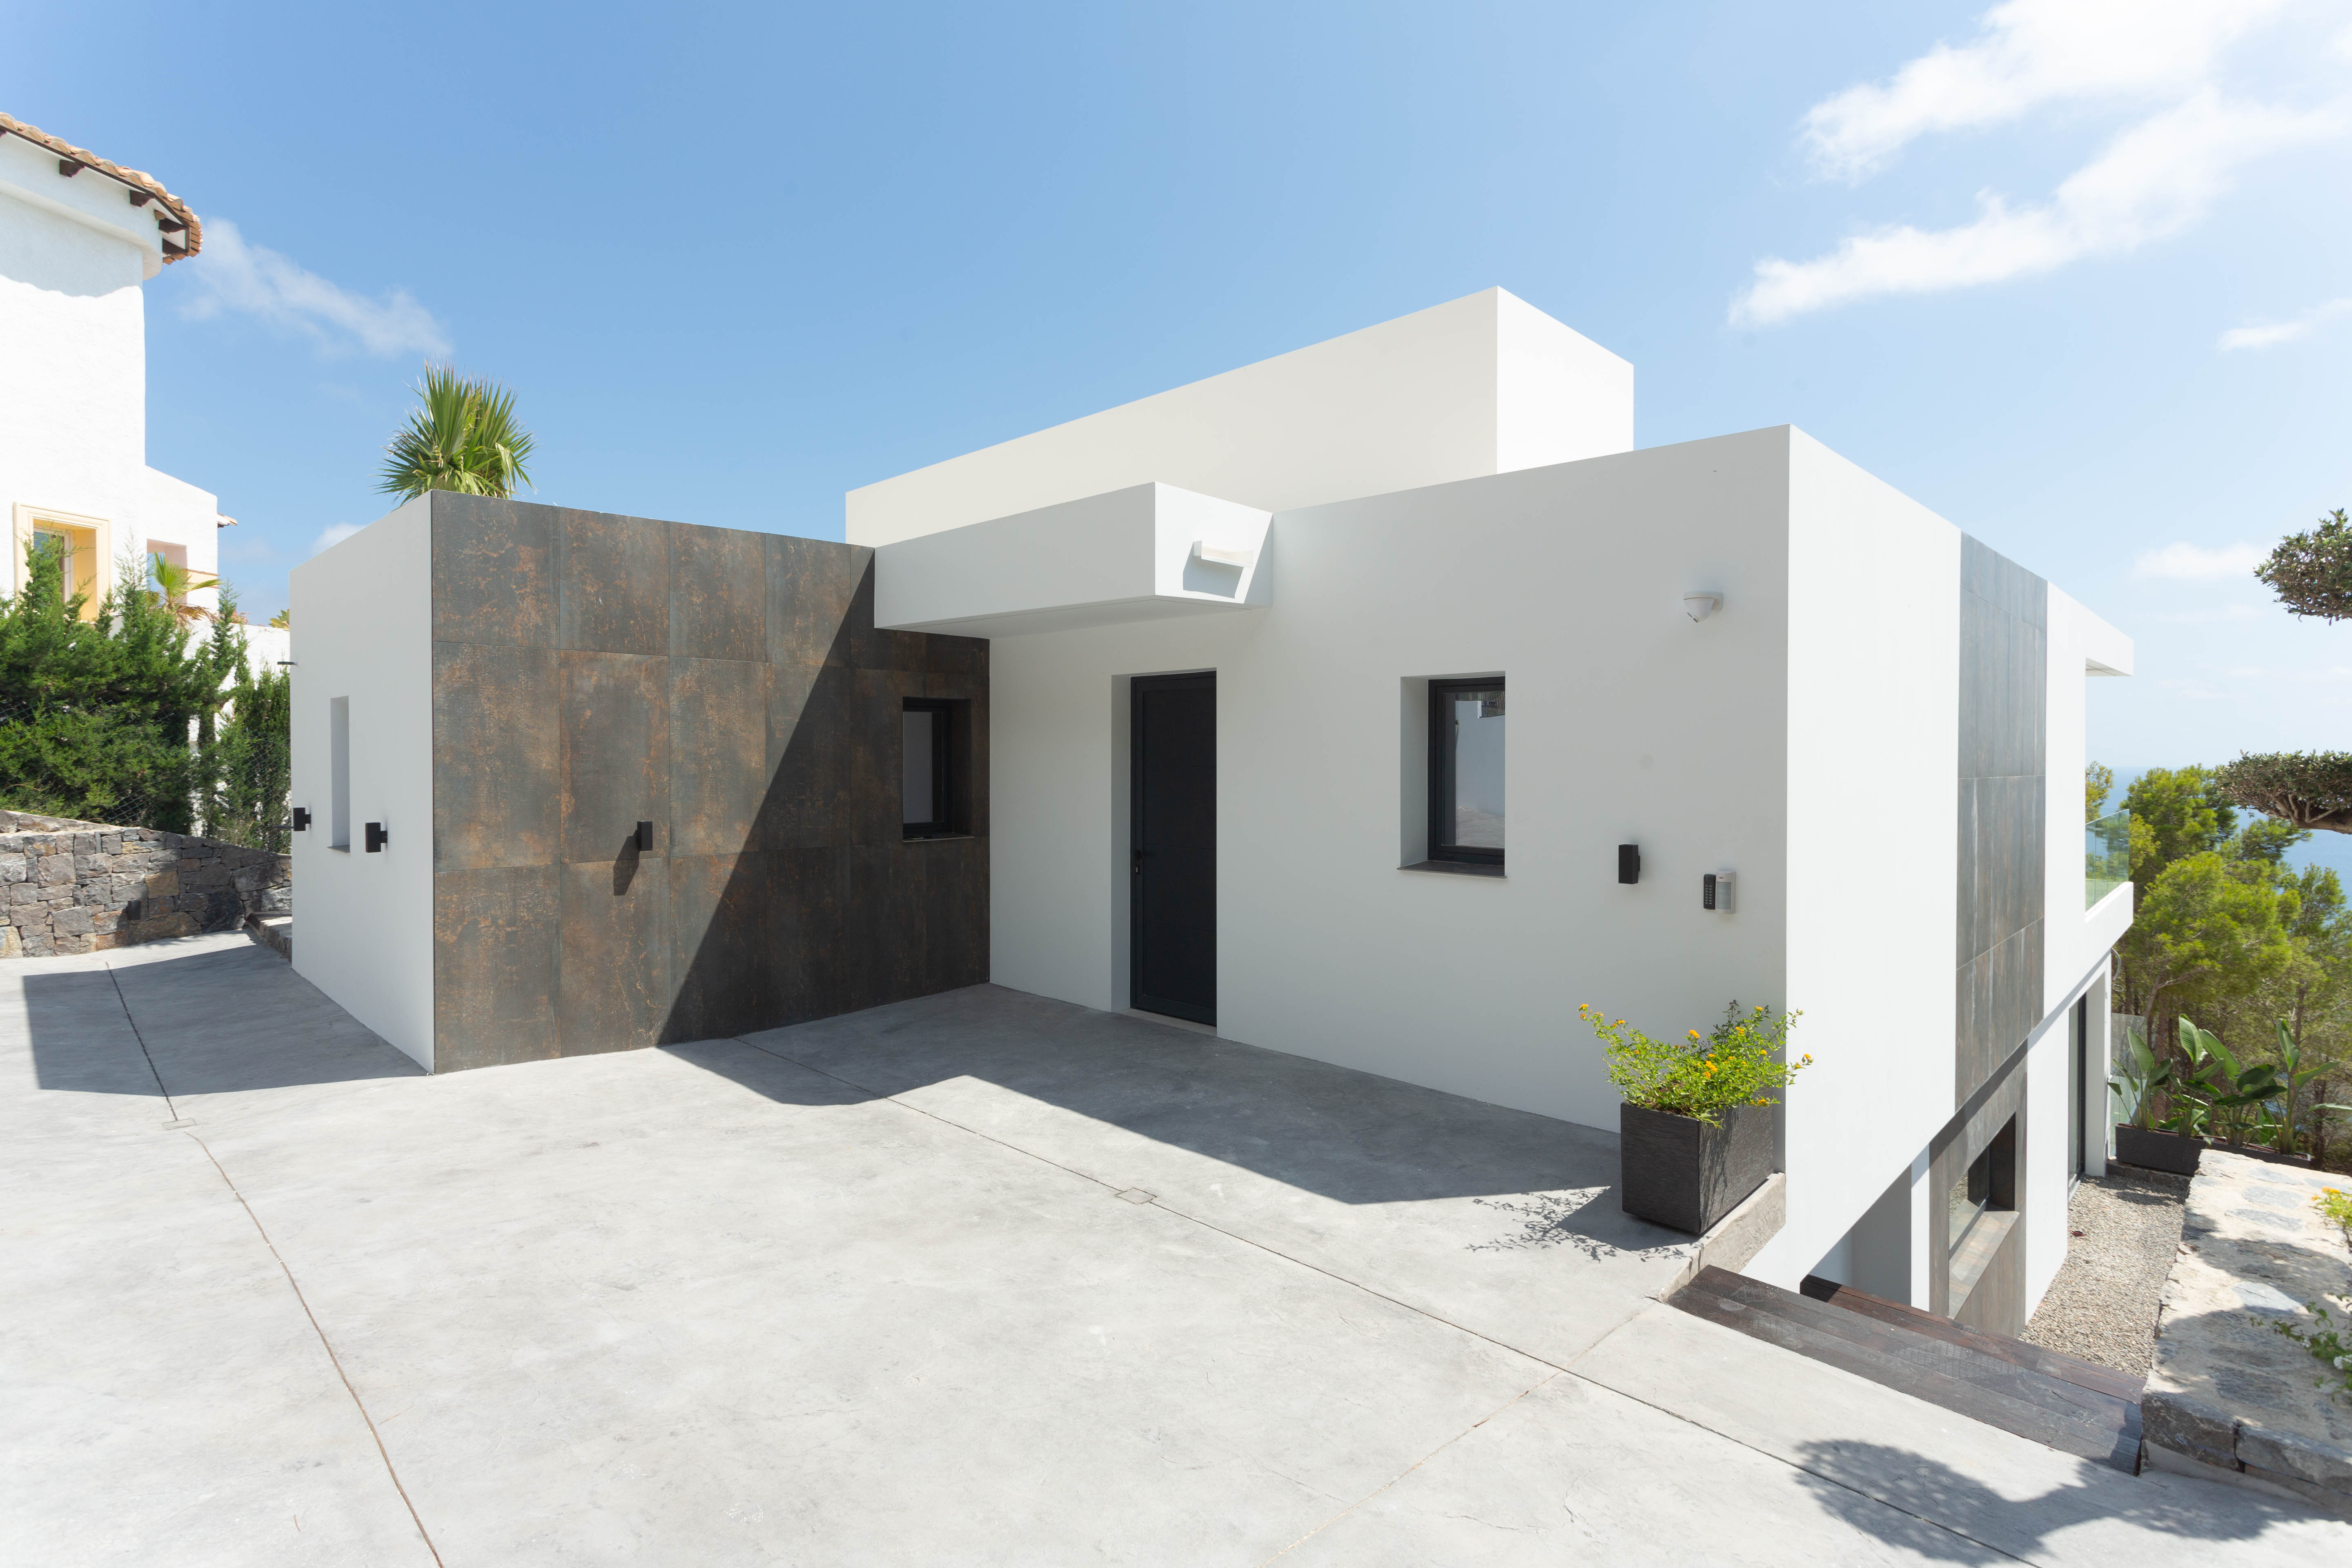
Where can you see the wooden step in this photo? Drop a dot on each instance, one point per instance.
(1955, 1375)
(2084, 1374)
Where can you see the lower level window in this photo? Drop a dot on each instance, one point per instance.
(1465, 771)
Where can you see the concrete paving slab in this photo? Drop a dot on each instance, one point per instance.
(708, 1299)
(166, 1398)
(1574, 1474)
(1503, 1222)
(710, 1305)
(1864, 1444)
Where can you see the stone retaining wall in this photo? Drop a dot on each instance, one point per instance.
(83, 886)
(2230, 1397)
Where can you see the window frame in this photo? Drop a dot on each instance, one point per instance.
(941, 823)
(1442, 769)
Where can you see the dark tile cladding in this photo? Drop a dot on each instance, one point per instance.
(592, 671)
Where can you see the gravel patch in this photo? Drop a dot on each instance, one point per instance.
(2102, 1306)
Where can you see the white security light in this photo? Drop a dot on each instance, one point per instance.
(1698, 606)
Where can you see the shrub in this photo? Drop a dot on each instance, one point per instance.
(1740, 1063)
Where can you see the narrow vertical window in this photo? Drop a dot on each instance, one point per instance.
(1465, 771)
(338, 738)
(927, 782)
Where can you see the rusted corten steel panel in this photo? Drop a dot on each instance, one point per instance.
(593, 671)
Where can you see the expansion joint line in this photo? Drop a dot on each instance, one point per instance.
(124, 1002)
(324, 1343)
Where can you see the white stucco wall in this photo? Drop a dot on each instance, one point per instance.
(73, 253)
(365, 607)
(1873, 888)
(1629, 723)
(1482, 385)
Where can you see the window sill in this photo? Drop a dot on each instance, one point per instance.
(940, 838)
(1455, 868)
(1976, 1251)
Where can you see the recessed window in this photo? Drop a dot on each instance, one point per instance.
(1465, 771)
(926, 769)
(1987, 1186)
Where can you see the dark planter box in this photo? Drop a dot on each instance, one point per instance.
(2172, 1151)
(2154, 1151)
(1677, 1171)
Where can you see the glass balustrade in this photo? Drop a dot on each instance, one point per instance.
(2107, 858)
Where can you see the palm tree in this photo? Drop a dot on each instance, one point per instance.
(464, 439)
(174, 583)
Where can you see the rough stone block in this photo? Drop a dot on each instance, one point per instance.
(39, 946)
(105, 920)
(85, 843)
(70, 922)
(25, 893)
(68, 945)
(2289, 1455)
(13, 867)
(12, 942)
(57, 870)
(161, 885)
(110, 844)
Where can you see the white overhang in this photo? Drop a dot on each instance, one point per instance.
(1145, 552)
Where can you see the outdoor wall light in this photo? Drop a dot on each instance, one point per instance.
(1698, 606)
(1629, 862)
(376, 837)
(644, 839)
(301, 819)
(1715, 892)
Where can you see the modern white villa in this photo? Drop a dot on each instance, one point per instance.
(1377, 703)
(79, 236)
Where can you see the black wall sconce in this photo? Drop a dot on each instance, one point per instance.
(645, 840)
(1629, 862)
(376, 837)
(301, 819)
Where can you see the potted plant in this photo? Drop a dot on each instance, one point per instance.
(2139, 1077)
(1696, 1128)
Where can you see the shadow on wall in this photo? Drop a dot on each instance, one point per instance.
(212, 1021)
(1893, 1494)
(1345, 1135)
(827, 908)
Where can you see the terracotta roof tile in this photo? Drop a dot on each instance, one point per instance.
(137, 181)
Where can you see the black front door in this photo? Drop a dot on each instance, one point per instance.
(1173, 871)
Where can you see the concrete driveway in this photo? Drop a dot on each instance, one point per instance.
(979, 1278)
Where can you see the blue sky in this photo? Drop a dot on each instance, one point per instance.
(2072, 274)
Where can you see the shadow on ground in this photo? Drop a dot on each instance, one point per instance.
(1346, 1135)
(1846, 1476)
(216, 1018)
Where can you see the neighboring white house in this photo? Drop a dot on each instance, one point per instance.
(1741, 655)
(78, 236)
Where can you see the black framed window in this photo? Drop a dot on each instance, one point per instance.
(1465, 771)
(926, 769)
(1987, 1186)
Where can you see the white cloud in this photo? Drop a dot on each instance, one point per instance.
(2155, 179)
(2028, 53)
(334, 533)
(254, 280)
(2269, 334)
(2184, 563)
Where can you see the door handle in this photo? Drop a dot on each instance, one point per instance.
(1135, 866)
